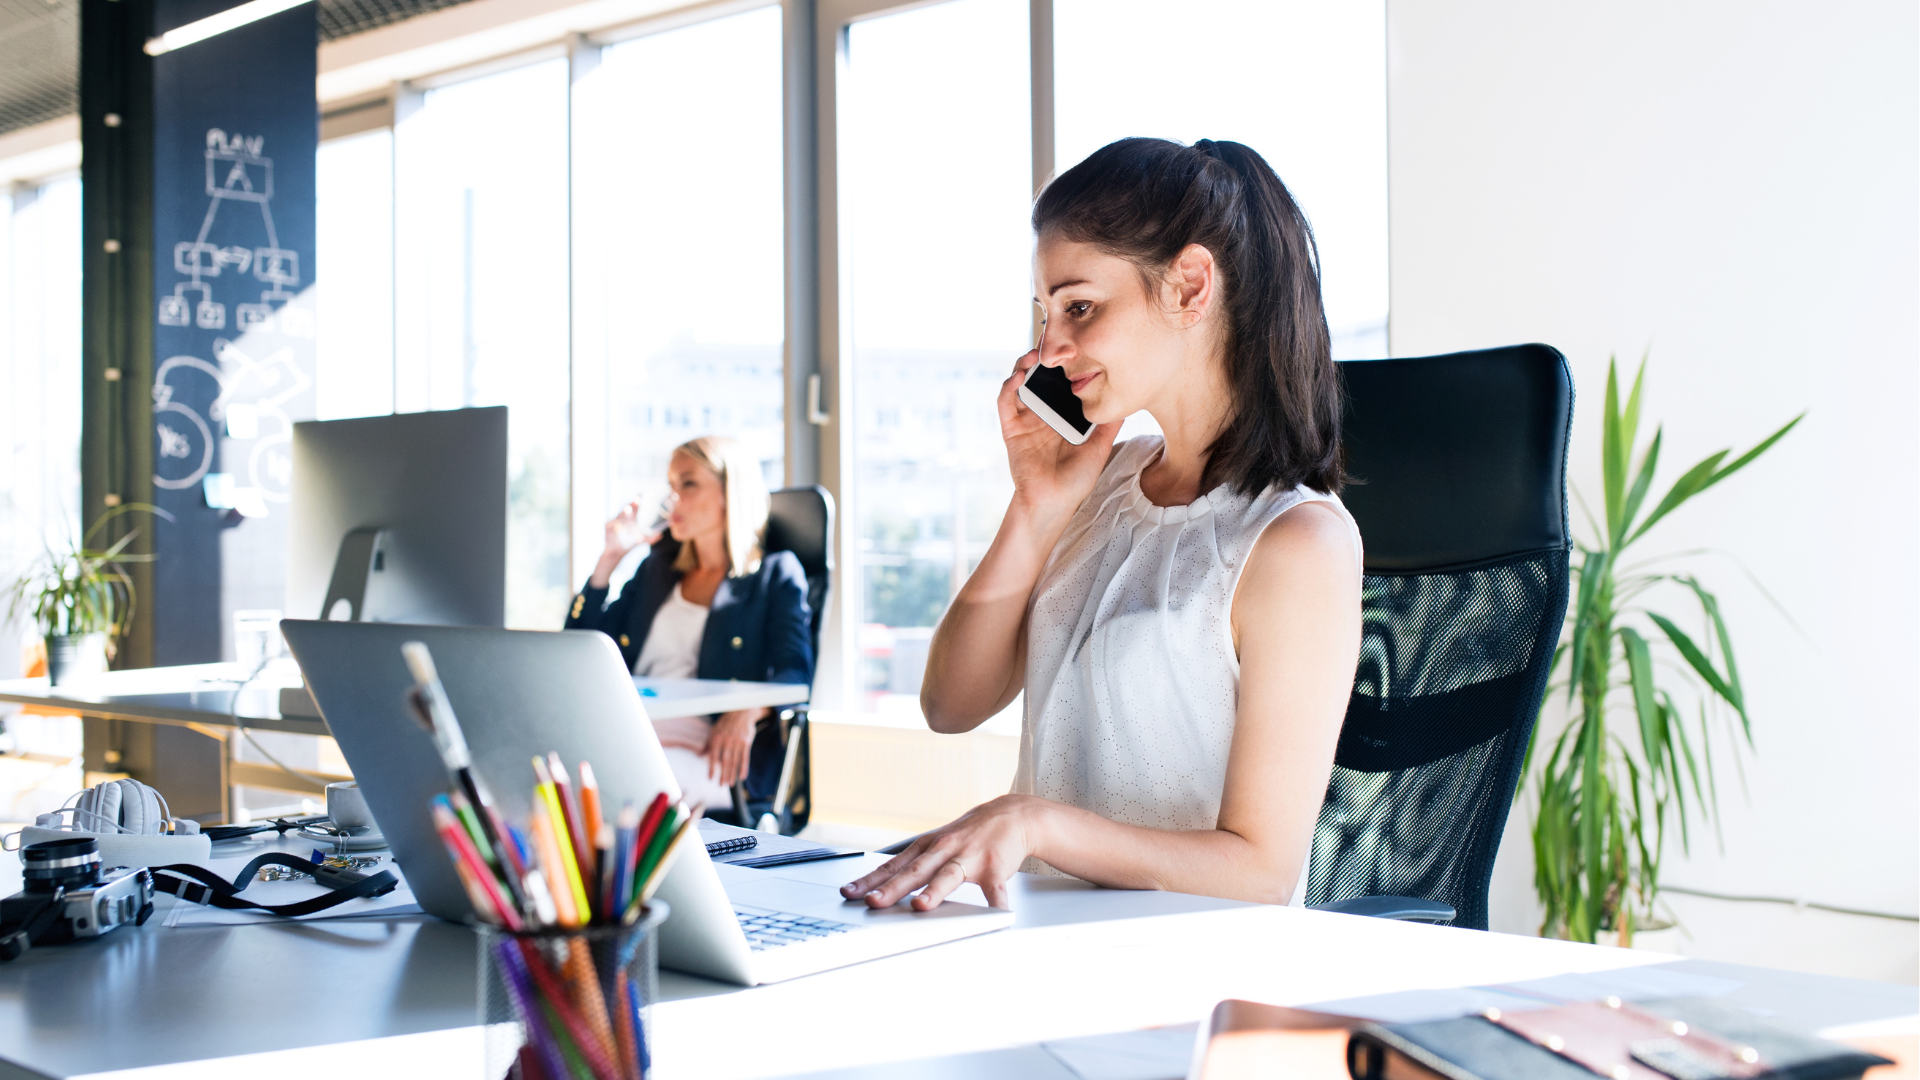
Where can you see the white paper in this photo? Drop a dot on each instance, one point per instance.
(398, 902)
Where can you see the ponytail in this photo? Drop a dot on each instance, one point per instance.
(1145, 200)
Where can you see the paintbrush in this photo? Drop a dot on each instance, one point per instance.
(430, 706)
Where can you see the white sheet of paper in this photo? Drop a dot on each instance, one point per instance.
(398, 902)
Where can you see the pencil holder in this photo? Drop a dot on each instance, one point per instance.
(570, 1004)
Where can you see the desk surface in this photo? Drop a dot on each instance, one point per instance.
(1079, 961)
(204, 694)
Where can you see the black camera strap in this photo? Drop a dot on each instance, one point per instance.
(17, 939)
(199, 885)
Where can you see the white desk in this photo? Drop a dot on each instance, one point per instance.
(204, 694)
(669, 698)
(395, 998)
(201, 694)
(210, 695)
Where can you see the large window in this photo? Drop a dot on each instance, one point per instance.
(39, 369)
(481, 295)
(598, 241)
(1301, 81)
(353, 232)
(678, 289)
(39, 459)
(936, 177)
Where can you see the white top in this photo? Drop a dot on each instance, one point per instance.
(672, 649)
(1133, 684)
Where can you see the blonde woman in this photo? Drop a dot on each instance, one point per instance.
(706, 603)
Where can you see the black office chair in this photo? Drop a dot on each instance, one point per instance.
(800, 520)
(1459, 486)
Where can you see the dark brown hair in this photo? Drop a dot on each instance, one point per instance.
(1145, 200)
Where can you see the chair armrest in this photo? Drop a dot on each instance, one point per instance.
(1405, 908)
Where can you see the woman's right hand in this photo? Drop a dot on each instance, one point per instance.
(1050, 474)
(624, 533)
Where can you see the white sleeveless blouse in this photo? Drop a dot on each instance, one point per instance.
(1132, 681)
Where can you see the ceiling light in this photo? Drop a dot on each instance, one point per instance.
(230, 19)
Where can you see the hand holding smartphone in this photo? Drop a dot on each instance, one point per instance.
(1049, 393)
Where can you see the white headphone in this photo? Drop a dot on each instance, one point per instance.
(119, 806)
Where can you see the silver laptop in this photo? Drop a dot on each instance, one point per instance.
(520, 693)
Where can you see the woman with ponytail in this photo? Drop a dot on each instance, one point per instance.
(1182, 612)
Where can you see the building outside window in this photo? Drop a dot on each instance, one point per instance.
(679, 294)
(39, 461)
(480, 295)
(353, 231)
(936, 173)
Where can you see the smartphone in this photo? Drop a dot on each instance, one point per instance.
(1049, 393)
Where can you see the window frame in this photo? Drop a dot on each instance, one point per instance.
(837, 683)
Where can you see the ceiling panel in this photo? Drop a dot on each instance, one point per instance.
(40, 49)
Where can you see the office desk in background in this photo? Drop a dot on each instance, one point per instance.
(378, 998)
(204, 694)
(207, 697)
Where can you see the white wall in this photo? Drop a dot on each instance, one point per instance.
(1734, 184)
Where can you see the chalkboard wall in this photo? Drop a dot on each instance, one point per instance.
(235, 131)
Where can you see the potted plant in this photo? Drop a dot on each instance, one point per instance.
(81, 598)
(1631, 759)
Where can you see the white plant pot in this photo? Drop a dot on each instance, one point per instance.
(72, 657)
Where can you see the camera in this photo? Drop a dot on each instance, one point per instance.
(68, 896)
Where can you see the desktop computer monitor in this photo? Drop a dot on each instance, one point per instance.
(401, 518)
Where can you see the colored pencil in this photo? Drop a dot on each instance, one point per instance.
(618, 875)
(650, 824)
(604, 858)
(548, 848)
(514, 864)
(590, 803)
(543, 913)
(489, 905)
(566, 872)
(623, 1028)
(501, 858)
(571, 1021)
(456, 837)
(463, 809)
(577, 830)
(658, 844)
(520, 987)
(477, 896)
(588, 999)
(665, 863)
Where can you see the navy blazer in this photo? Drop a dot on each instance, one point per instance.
(758, 627)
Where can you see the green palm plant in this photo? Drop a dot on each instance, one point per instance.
(1606, 800)
(76, 588)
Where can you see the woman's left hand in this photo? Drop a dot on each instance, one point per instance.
(730, 745)
(986, 845)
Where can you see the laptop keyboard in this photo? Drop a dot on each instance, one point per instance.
(772, 929)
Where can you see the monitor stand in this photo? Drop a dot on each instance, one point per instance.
(361, 556)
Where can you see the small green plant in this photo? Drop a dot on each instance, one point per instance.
(75, 588)
(1604, 799)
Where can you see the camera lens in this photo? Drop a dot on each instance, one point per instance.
(74, 864)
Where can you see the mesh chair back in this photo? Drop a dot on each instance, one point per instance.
(800, 520)
(1459, 488)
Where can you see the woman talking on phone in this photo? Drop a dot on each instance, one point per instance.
(1182, 613)
(705, 603)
